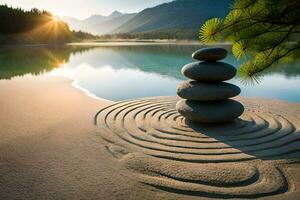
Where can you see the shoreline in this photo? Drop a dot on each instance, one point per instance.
(93, 96)
(50, 148)
(86, 92)
(143, 43)
(116, 43)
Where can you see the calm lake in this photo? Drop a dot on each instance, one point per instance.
(126, 72)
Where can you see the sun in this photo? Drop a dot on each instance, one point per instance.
(55, 19)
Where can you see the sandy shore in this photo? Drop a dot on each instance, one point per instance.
(50, 149)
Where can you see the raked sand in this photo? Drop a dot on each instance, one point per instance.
(141, 149)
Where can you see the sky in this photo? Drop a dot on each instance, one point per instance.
(84, 8)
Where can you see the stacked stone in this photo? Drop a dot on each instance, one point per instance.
(206, 96)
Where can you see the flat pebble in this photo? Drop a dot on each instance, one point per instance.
(209, 71)
(210, 54)
(210, 112)
(202, 91)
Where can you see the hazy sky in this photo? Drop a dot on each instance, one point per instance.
(84, 8)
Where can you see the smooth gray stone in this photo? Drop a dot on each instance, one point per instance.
(209, 71)
(210, 112)
(201, 91)
(210, 54)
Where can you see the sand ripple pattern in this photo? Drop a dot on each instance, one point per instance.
(167, 152)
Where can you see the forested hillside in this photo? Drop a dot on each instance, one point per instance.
(34, 26)
(175, 19)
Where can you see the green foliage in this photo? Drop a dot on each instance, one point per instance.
(209, 31)
(263, 33)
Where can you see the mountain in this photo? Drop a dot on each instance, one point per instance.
(115, 14)
(181, 15)
(108, 26)
(179, 19)
(99, 24)
(72, 22)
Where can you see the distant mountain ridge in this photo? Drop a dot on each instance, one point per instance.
(99, 24)
(179, 18)
(179, 14)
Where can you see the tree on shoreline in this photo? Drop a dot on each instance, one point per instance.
(35, 26)
(263, 33)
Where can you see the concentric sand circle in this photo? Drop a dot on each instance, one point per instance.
(230, 160)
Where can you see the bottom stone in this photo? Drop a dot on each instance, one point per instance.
(210, 112)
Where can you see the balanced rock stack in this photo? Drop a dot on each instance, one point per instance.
(206, 96)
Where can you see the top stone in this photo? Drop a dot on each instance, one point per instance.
(210, 54)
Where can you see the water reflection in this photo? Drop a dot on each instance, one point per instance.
(118, 73)
(34, 60)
